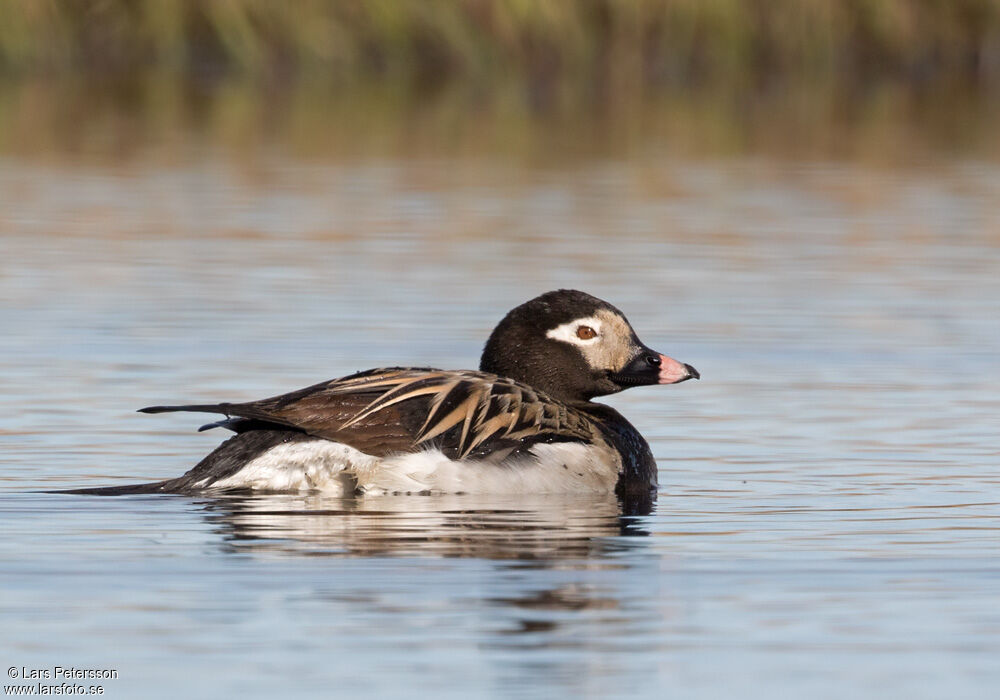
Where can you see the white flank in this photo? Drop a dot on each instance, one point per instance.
(338, 470)
(302, 466)
(567, 331)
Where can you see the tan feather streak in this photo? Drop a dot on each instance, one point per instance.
(494, 424)
(380, 404)
(469, 420)
(366, 382)
(532, 414)
(347, 388)
(457, 414)
(516, 403)
(395, 378)
(399, 381)
(443, 393)
(486, 430)
(520, 434)
(473, 420)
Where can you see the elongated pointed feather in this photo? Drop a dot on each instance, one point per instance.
(400, 409)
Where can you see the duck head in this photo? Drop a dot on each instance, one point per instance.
(574, 346)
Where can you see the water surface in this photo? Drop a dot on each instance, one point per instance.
(829, 519)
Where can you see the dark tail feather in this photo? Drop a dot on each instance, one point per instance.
(198, 408)
(126, 490)
(239, 418)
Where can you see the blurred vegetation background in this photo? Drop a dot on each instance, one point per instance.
(823, 76)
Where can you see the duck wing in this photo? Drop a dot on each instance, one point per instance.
(465, 414)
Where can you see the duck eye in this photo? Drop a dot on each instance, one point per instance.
(585, 332)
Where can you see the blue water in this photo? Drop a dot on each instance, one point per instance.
(829, 518)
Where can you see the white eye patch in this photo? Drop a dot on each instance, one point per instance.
(567, 331)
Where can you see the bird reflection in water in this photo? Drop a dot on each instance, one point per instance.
(534, 528)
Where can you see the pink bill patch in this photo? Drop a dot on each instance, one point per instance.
(672, 371)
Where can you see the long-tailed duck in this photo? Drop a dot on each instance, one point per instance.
(523, 423)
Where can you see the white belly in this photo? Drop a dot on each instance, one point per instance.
(338, 470)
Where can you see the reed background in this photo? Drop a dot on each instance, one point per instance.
(821, 76)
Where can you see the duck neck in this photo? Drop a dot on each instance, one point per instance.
(638, 471)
